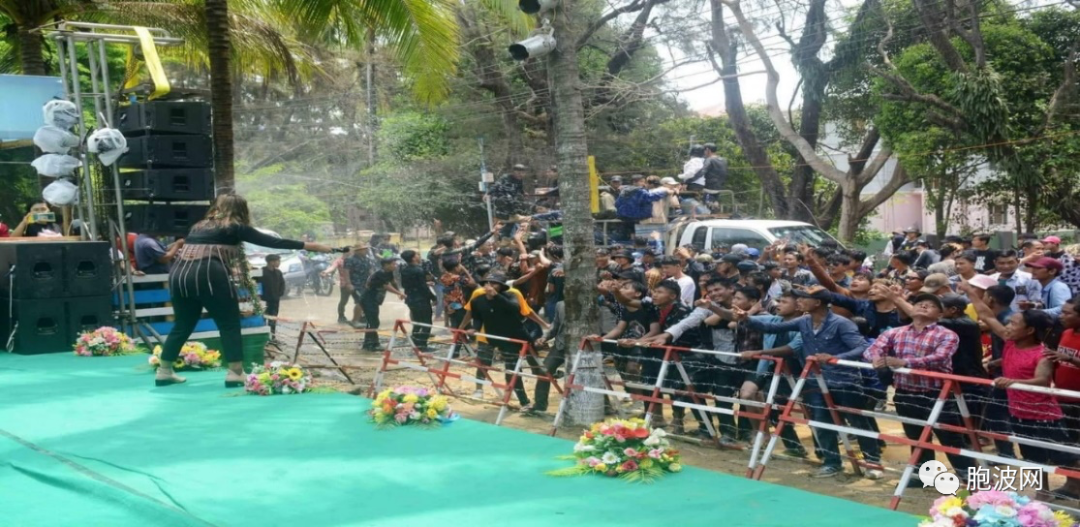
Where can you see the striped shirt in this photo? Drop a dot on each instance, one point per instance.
(930, 348)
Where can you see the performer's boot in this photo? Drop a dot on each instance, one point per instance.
(235, 377)
(166, 376)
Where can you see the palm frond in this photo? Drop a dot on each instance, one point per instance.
(576, 470)
(423, 34)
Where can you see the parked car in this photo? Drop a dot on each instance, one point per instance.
(758, 234)
(291, 264)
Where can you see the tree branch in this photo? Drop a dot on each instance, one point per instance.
(899, 178)
(636, 5)
(773, 107)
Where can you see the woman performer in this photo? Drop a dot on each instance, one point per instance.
(205, 274)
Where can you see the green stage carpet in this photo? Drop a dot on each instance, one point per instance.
(90, 441)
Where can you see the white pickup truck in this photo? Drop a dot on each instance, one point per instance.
(705, 234)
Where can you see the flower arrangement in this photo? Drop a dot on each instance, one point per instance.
(278, 378)
(624, 448)
(994, 508)
(104, 342)
(193, 356)
(407, 405)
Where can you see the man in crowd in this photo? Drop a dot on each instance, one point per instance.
(1047, 272)
(1026, 287)
(825, 336)
(922, 345)
(715, 174)
(794, 272)
(1052, 247)
(151, 257)
(418, 297)
(374, 293)
(345, 288)
(507, 197)
(359, 266)
(984, 255)
(501, 314)
(673, 269)
(608, 196)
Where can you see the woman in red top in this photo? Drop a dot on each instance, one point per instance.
(1067, 377)
(1033, 415)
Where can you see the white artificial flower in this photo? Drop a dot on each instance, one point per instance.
(1005, 511)
(414, 415)
(652, 441)
(609, 458)
(658, 432)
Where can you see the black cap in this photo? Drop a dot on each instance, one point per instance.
(816, 292)
(623, 254)
(496, 277)
(615, 179)
(746, 266)
(921, 297)
(731, 258)
(387, 260)
(954, 300)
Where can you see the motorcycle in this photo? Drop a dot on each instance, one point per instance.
(314, 266)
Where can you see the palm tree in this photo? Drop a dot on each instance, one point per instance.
(219, 50)
(24, 16)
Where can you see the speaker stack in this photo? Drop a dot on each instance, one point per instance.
(53, 291)
(167, 175)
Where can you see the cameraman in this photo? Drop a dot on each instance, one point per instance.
(39, 221)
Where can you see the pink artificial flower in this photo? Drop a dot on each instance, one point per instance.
(401, 418)
(630, 452)
(989, 497)
(1035, 514)
(656, 453)
(630, 465)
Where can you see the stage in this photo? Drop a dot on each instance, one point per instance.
(91, 442)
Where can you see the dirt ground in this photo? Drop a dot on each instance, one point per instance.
(342, 343)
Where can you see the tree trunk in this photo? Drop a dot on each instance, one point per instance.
(220, 48)
(571, 152)
(369, 88)
(31, 52)
(849, 210)
(740, 122)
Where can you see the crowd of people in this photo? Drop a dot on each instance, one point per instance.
(1008, 315)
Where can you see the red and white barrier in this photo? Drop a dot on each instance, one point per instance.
(437, 366)
(951, 387)
(672, 360)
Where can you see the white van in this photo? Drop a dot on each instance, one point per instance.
(758, 234)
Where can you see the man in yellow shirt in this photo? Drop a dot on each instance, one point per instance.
(501, 311)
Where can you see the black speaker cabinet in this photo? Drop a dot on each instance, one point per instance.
(170, 184)
(40, 325)
(87, 269)
(163, 219)
(88, 314)
(169, 151)
(160, 117)
(37, 269)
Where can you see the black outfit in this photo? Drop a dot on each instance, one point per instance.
(501, 317)
(506, 198)
(918, 405)
(984, 261)
(418, 297)
(715, 169)
(273, 289)
(372, 297)
(202, 278)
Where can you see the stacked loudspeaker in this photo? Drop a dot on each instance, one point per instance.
(168, 170)
(52, 292)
